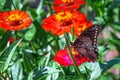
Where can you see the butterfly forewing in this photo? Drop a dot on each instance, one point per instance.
(92, 32)
(85, 44)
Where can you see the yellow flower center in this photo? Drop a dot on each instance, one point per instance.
(14, 20)
(74, 52)
(84, 27)
(68, 2)
(64, 18)
(14, 17)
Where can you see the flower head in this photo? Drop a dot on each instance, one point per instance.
(63, 58)
(2, 20)
(80, 22)
(12, 40)
(63, 22)
(58, 24)
(15, 20)
(63, 5)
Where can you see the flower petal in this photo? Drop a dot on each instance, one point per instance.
(15, 20)
(69, 5)
(63, 58)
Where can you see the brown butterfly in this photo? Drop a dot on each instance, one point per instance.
(86, 43)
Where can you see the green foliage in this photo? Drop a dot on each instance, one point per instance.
(6, 55)
(37, 73)
(5, 37)
(30, 34)
(109, 64)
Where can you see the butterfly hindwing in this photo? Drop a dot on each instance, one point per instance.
(85, 44)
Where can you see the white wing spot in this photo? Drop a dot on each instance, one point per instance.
(95, 37)
(94, 42)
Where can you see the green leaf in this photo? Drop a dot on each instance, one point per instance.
(93, 69)
(4, 40)
(28, 66)
(38, 11)
(33, 14)
(10, 51)
(116, 26)
(38, 73)
(2, 2)
(109, 64)
(30, 34)
(44, 60)
(114, 4)
(115, 41)
(8, 5)
(25, 6)
(53, 73)
(44, 73)
(2, 32)
(41, 36)
(17, 4)
(16, 71)
(69, 78)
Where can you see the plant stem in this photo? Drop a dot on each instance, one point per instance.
(15, 37)
(72, 58)
(73, 34)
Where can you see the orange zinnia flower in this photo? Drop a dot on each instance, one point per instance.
(60, 5)
(63, 58)
(63, 22)
(15, 20)
(58, 24)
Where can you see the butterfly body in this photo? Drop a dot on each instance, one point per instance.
(85, 44)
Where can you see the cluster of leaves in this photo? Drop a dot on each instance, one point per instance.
(33, 59)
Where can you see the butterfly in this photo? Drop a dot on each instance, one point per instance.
(86, 43)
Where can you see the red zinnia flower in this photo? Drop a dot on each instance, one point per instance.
(63, 22)
(15, 20)
(2, 23)
(63, 58)
(61, 5)
(11, 40)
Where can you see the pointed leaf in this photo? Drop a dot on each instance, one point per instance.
(95, 70)
(92, 70)
(37, 73)
(4, 40)
(10, 50)
(30, 34)
(109, 64)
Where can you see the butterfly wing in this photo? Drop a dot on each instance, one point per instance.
(85, 44)
(92, 33)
